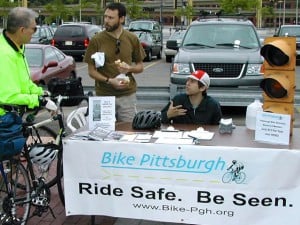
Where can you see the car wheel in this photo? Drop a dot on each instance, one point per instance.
(168, 58)
(149, 56)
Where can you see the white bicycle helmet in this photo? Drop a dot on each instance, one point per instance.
(43, 154)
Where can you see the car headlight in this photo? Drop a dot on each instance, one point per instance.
(181, 68)
(254, 69)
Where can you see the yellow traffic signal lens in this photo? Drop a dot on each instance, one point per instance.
(273, 55)
(273, 88)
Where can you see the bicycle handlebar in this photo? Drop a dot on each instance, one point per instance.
(30, 118)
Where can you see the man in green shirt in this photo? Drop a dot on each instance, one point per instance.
(16, 87)
(123, 54)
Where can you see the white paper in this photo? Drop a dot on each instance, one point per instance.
(102, 112)
(168, 134)
(201, 135)
(176, 141)
(273, 128)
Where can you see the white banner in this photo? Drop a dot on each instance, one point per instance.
(184, 184)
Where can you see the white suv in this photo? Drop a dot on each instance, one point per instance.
(227, 49)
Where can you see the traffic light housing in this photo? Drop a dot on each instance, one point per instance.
(279, 75)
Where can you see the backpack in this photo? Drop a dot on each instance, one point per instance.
(11, 135)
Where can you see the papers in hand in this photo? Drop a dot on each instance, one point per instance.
(99, 59)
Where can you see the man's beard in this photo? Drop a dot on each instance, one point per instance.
(111, 28)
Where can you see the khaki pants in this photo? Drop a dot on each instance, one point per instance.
(126, 108)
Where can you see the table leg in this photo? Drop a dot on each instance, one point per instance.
(92, 220)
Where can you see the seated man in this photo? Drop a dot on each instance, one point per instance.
(195, 106)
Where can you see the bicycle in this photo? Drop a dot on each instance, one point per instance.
(237, 177)
(24, 182)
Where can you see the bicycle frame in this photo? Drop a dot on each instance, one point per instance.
(38, 193)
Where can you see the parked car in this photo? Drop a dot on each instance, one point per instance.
(152, 46)
(228, 49)
(46, 62)
(155, 33)
(43, 35)
(73, 39)
(291, 31)
(178, 36)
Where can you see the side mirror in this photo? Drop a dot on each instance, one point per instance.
(172, 44)
(50, 64)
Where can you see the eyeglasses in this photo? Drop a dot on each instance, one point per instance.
(118, 43)
(34, 29)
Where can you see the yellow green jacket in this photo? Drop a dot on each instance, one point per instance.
(16, 86)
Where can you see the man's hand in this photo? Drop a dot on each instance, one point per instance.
(123, 67)
(174, 111)
(118, 84)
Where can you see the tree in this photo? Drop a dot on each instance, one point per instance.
(58, 12)
(135, 10)
(5, 6)
(235, 6)
(185, 12)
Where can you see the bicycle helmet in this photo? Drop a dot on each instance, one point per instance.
(147, 119)
(43, 154)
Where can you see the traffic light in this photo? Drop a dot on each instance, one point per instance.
(279, 75)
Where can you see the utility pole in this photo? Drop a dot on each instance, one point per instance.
(80, 11)
(24, 3)
(258, 14)
(160, 12)
(297, 12)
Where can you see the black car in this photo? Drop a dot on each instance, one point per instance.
(73, 39)
(43, 35)
(151, 45)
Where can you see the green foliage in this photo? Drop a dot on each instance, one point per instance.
(6, 5)
(187, 11)
(235, 6)
(134, 9)
(58, 11)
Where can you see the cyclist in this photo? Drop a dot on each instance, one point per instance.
(16, 86)
(236, 167)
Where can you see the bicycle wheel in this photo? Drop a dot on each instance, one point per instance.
(240, 178)
(16, 203)
(60, 182)
(44, 135)
(227, 177)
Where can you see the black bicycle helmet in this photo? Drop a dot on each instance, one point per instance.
(147, 119)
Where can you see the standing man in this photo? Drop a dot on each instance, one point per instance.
(123, 54)
(15, 81)
(194, 106)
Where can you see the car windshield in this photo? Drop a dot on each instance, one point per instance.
(143, 36)
(34, 57)
(177, 35)
(290, 31)
(140, 26)
(39, 33)
(69, 31)
(221, 36)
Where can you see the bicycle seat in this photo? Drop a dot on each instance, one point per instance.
(77, 118)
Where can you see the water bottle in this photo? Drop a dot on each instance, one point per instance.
(251, 112)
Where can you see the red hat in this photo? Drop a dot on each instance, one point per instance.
(201, 76)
